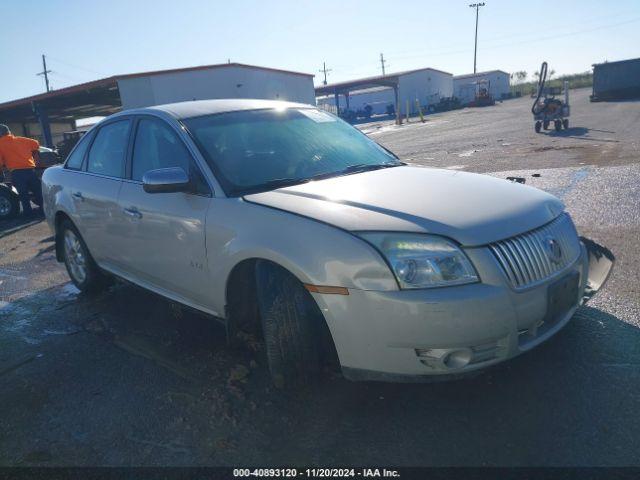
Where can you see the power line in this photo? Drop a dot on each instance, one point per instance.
(522, 42)
(77, 67)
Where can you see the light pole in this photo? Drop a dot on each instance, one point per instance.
(475, 48)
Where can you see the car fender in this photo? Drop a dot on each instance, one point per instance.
(314, 252)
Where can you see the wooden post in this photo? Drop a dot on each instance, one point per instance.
(407, 111)
(419, 110)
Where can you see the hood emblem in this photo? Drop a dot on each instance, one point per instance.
(553, 249)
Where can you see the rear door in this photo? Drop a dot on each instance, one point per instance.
(162, 235)
(95, 189)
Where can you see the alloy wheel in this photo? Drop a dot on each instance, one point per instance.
(74, 254)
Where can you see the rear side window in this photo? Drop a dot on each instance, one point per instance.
(107, 153)
(77, 156)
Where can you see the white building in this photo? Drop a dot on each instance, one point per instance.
(464, 86)
(229, 80)
(426, 85)
(46, 116)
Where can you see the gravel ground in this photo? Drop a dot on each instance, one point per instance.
(127, 379)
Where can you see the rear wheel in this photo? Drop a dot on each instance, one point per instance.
(9, 204)
(558, 125)
(538, 126)
(82, 269)
(292, 326)
(565, 123)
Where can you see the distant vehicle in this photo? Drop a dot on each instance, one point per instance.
(9, 201)
(444, 104)
(69, 140)
(283, 220)
(483, 97)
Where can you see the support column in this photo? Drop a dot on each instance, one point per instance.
(45, 126)
(346, 97)
(337, 97)
(397, 105)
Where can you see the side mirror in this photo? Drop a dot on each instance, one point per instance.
(165, 180)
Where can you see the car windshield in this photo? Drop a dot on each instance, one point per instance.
(259, 150)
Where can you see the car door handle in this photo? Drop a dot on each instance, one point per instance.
(132, 212)
(78, 195)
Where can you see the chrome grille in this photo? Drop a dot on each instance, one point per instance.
(525, 258)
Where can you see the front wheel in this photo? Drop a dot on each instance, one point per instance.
(81, 267)
(558, 125)
(565, 123)
(291, 324)
(538, 126)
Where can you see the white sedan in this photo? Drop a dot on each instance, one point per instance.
(281, 219)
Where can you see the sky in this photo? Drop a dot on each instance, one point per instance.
(87, 40)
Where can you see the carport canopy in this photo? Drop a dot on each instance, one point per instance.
(345, 88)
(91, 99)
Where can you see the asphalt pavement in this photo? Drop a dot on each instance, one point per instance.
(126, 378)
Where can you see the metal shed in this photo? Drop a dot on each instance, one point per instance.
(616, 80)
(47, 115)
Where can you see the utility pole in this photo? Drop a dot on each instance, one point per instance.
(45, 72)
(475, 49)
(382, 62)
(324, 70)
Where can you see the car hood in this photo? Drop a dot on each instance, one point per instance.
(469, 208)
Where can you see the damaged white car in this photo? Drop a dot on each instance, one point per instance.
(282, 219)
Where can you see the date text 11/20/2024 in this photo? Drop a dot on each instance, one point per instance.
(316, 472)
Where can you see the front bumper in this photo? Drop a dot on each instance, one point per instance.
(414, 335)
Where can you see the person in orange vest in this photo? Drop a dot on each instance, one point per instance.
(17, 156)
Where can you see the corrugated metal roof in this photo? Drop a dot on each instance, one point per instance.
(617, 62)
(366, 82)
(479, 74)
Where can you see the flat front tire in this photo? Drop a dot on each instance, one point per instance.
(291, 324)
(81, 267)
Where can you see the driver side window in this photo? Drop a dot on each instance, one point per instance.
(158, 146)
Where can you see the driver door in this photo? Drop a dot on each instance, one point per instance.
(163, 234)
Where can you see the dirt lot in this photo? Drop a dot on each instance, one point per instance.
(125, 379)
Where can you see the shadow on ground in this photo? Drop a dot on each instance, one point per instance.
(13, 225)
(126, 379)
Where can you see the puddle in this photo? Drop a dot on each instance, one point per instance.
(69, 290)
(10, 274)
(576, 178)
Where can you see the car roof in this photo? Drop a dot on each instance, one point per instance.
(197, 108)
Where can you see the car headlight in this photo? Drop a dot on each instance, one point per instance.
(423, 261)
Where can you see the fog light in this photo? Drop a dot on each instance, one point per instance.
(457, 358)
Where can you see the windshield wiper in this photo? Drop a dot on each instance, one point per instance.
(288, 181)
(273, 185)
(367, 167)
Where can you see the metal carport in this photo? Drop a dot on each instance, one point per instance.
(344, 88)
(91, 99)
